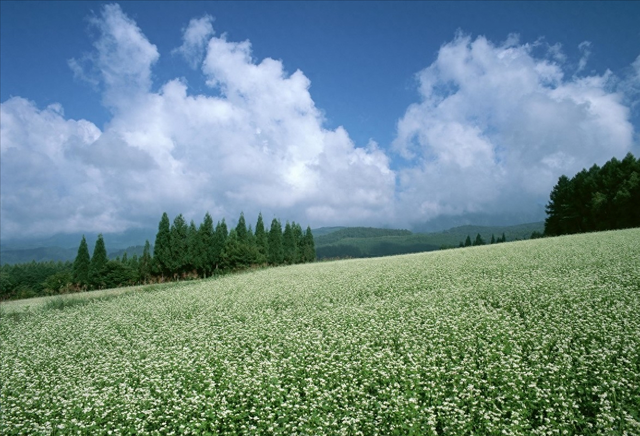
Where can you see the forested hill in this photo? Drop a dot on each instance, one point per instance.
(357, 232)
(368, 242)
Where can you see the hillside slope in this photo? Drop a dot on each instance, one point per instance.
(455, 341)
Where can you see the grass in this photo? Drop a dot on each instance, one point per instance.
(532, 337)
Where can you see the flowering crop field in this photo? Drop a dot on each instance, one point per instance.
(526, 338)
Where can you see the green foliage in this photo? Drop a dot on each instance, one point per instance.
(58, 283)
(262, 241)
(162, 260)
(276, 253)
(179, 246)
(598, 199)
(98, 262)
(206, 240)
(478, 240)
(82, 264)
(467, 242)
(358, 232)
(145, 266)
(28, 280)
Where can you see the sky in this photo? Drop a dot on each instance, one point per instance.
(327, 113)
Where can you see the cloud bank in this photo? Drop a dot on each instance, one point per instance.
(493, 130)
(496, 127)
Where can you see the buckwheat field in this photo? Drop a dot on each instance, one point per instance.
(538, 337)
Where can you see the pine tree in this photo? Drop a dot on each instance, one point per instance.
(478, 240)
(194, 261)
(145, 264)
(98, 263)
(206, 240)
(179, 247)
(289, 244)
(309, 248)
(504, 238)
(219, 241)
(162, 247)
(298, 237)
(467, 242)
(82, 264)
(493, 239)
(262, 241)
(241, 229)
(276, 255)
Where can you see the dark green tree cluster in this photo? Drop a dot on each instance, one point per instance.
(191, 251)
(479, 240)
(34, 279)
(597, 199)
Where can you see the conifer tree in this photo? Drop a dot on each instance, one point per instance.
(194, 260)
(98, 263)
(145, 264)
(262, 242)
(179, 245)
(82, 264)
(241, 229)
(493, 239)
(276, 255)
(289, 245)
(309, 249)
(219, 241)
(206, 241)
(162, 247)
(478, 240)
(467, 242)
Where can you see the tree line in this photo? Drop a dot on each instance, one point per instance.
(597, 199)
(181, 251)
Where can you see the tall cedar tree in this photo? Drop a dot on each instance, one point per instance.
(479, 240)
(241, 229)
(219, 241)
(276, 255)
(309, 248)
(179, 247)
(298, 236)
(194, 250)
(98, 264)
(162, 248)
(82, 264)
(289, 246)
(262, 242)
(233, 254)
(205, 237)
(144, 266)
(467, 242)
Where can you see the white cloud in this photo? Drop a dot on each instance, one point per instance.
(260, 145)
(497, 126)
(195, 39)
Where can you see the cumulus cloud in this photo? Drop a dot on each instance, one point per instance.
(195, 40)
(496, 126)
(257, 143)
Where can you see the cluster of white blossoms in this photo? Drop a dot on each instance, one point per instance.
(537, 337)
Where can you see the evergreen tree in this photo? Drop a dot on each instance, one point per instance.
(195, 261)
(298, 237)
(493, 239)
(262, 241)
(125, 258)
(289, 246)
(179, 246)
(478, 240)
(162, 248)
(467, 242)
(145, 264)
(98, 263)
(233, 253)
(82, 264)
(241, 229)
(206, 241)
(276, 255)
(219, 241)
(309, 248)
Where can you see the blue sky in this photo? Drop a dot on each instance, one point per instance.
(365, 113)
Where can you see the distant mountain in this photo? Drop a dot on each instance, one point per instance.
(324, 231)
(533, 214)
(64, 247)
(384, 242)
